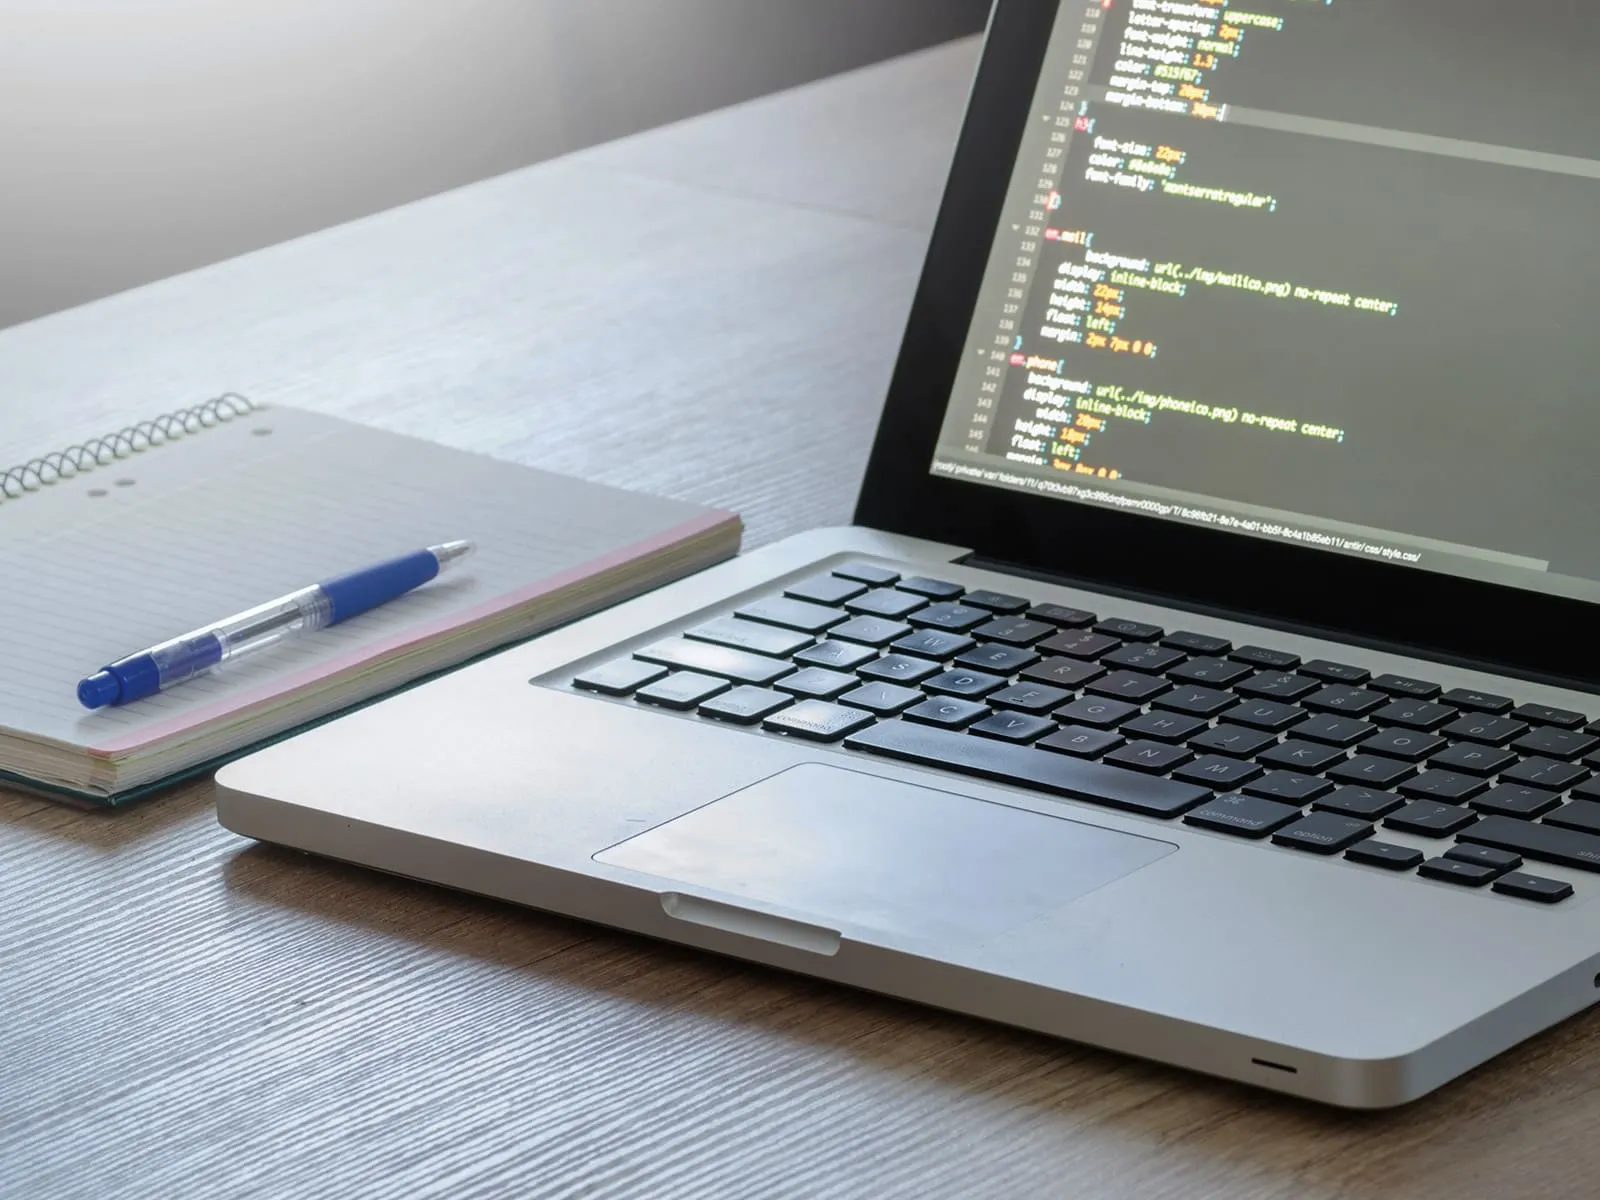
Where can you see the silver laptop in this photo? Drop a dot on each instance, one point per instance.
(1210, 673)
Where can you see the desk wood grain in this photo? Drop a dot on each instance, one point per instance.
(707, 312)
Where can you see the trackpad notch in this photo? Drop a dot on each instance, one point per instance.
(848, 847)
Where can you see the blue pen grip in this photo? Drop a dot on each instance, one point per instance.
(358, 591)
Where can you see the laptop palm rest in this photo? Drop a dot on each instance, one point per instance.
(846, 848)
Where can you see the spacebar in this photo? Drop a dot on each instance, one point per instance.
(1029, 768)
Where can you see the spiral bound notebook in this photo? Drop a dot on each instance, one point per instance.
(124, 541)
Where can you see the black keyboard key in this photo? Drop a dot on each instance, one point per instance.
(1164, 726)
(818, 721)
(1029, 767)
(1443, 785)
(899, 668)
(1000, 602)
(870, 631)
(1218, 773)
(1243, 816)
(1097, 711)
(1081, 741)
(1062, 672)
(1265, 714)
(1543, 714)
(825, 589)
(1276, 685)
(1132, 631)
(817, 683)
(963, 682)
(792, 614)
(1555, 743)
(1334, 672)
(1343, 732)
(839, 656)
(1260, 656)
(1427, 818)
(1516, 800)
(1545, 773)
(933, 643)
(1020, 728)
(681, 690)
(954, 618)
(1289, 787)
(1491, 731)
(1341, 699)
(884, 602)
(1128, 685)
(1405, 685)
(1368, 770)
(1408, 745)
(1211, 672)
(748, 635)
(1484, 702)
(1415, 714)
(1473, 759)
(1499, 861)
(745, 705)
(1233, 740)
(1367, 803)
(1141, 656)
(1030, 697)
(997, 658)
(619, 678)
(882, 699)
(1540, 841)
(933, 589)
(1305, 757)
(1197, 643)
(947, 712)
(1062, 615)
(1014, 631)
(1385, 854)
(1079, 643)
(1157, 758)
(1533, 887)
(1323, 833)
(1195, 700)
(1453, 870)
(738, 665)
(1582, 815)
(1589, 789)
(867, 573)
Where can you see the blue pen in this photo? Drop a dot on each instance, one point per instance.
(315, 607)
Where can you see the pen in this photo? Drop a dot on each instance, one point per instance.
(311, 608)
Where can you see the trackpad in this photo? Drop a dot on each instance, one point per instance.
(847, 847)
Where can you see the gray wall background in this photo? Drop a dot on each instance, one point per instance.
(140, 138)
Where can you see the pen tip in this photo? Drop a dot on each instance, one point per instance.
(449, 553)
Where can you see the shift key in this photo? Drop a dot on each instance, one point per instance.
(739, 665)
(1543, 843)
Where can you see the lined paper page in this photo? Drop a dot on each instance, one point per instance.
(234, 516)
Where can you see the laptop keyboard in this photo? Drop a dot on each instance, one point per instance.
(1245, 741)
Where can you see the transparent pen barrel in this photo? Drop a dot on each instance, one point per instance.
(304, 611)
(185, 657)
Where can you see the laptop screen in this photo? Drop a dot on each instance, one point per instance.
(1318, 271)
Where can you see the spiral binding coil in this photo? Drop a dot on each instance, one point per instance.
(102, 451)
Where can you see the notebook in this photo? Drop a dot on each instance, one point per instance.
(122, 542)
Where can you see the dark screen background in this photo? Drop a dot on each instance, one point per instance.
(1472, 415)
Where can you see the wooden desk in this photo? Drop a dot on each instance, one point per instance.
(708, 311)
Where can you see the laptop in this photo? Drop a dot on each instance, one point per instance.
(1209, 674)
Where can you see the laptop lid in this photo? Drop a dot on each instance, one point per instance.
(1283, 308)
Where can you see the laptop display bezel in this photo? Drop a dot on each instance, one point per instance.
(1509, 629)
